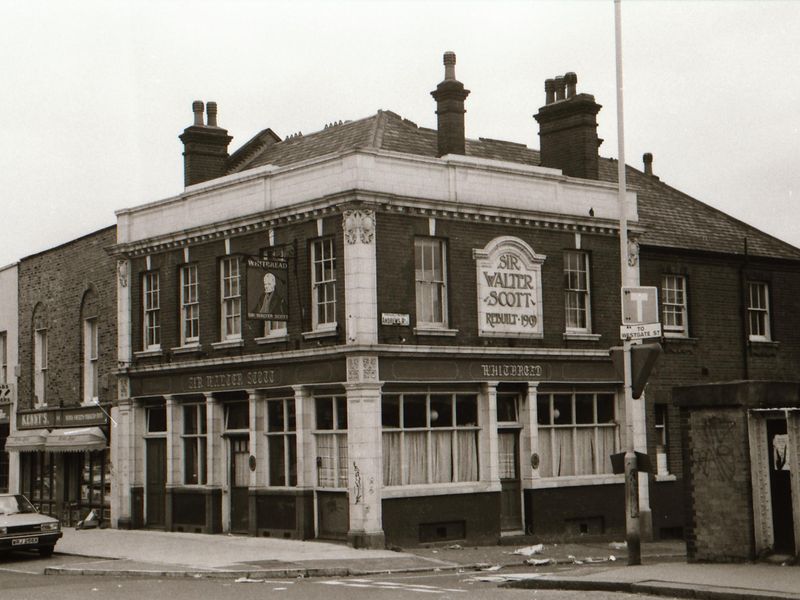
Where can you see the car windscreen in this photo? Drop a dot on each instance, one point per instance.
(11, 505)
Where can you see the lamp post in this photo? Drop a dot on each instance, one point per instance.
(627, 278)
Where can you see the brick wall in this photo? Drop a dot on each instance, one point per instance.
(63, 286)
(717, 348)
(295, 239)
(717, 487)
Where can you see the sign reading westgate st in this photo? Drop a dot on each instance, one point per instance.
(509, 276)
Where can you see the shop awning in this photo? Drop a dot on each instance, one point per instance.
(75, 440)
(30, 440)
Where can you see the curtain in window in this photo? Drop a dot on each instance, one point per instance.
(392, 470)
(585, 450)
(326, 471)
(506, 458)
(545, 453)
(240, 469)
(563, 453)
(416, 457)
(467, 455)
(605, 448)
(442, 459)
(341, 440)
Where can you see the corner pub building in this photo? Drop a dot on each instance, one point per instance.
(377, 332)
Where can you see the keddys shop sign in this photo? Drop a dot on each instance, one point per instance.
(509, 287)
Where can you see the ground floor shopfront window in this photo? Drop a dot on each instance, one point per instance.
(578, 432)
(68, 485)
(429, 438)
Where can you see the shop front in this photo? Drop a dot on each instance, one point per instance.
(65, 467)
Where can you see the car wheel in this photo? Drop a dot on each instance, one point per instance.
(46, 551)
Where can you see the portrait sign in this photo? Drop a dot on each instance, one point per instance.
(267, 286)
(509, 286)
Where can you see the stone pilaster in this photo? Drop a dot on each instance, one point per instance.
(304, 420)
(529, 440)
(360, 276)
(364, 448)
(489, 447)
(214, 451)
(122, 462)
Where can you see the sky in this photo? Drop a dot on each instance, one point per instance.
(95, 93)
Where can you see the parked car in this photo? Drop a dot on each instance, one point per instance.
(22, 527)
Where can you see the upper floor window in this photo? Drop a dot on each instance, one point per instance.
(430, 276)
(323, 284)
(758, 311)
(3, 357)
(190, 306)
(231, 298)
(673, 305)
(40, 367)
(151, 290)
(576, 291)
(90, 367)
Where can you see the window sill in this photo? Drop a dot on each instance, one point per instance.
(764, 343)
(666, 477)
(271, 339)
(189, 349)
(228, 344)
(436, 489)
(319, 333)
(678, 338)
(148, 353)
(581, 336)
(577, 480)
(435, 331)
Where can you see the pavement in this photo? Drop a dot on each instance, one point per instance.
(590, 564)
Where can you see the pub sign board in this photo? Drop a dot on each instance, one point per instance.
(267, 287)
(509, 287)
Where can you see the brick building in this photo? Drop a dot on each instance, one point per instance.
(382, 332)
(67, 328)
(8, 363)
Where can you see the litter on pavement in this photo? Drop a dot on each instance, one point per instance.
(530, 550)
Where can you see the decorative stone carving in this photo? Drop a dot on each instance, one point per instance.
(633, 252)
(359, 226)
(362, 369)
(122, 387)
(122, 272)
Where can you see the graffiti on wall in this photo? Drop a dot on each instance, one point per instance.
(716, 454)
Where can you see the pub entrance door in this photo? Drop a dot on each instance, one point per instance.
(239, 478)
(155, 482)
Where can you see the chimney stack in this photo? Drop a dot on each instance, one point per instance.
(568, 128)
(647, 158)
(205, 146)
(450, 95)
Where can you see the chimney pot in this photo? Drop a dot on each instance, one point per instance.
(560, 87)
(571, 80)
(550, 91)
(449, 66)
(197, 109)
(647, 157)
(211, 109)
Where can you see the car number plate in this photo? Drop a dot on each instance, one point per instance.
(24, 541)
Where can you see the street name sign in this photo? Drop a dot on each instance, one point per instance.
(640, 332)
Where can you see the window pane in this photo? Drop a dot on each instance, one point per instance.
(324, 413)
(156, 419)
(507, 407)
(584, 408)
(341, 412)
(543, 410)
(414, 407)
(237, 415)
(190, 419)
(275, 415)
(466, 410)
(441, 408)
(605, 408)
(291, 440)
(390, 411)
(291, 417)
(562, 409)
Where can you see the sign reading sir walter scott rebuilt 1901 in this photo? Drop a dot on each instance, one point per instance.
(509, 289)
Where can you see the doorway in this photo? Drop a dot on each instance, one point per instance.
(155, 482)
(510, 483)
(780, 486)
(239, 482)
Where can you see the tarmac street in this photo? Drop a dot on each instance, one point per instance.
(184, 561)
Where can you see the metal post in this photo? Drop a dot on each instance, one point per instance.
(627, 277)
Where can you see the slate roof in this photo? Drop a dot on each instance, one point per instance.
(672, 219)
